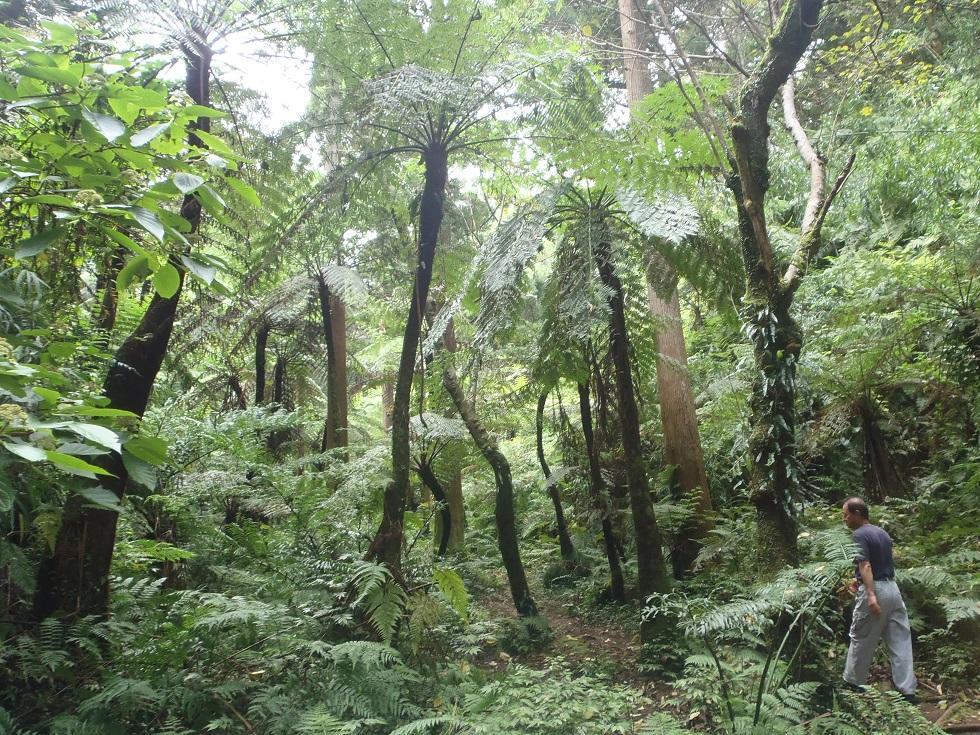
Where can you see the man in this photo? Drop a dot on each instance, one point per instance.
(879, 608)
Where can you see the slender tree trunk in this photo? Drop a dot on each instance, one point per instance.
(261, 342)
(74, 579)
(564, 540)
(504, 508)
(454, 481)
(110, 296)
(387, 543)
(443, 531)
(881, 477)
(236, 387)
(334, 318)
(678, 415)
(652, 571)
(600, 501)
(387, 403)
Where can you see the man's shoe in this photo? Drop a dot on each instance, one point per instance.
(854, 687)
(910, 698)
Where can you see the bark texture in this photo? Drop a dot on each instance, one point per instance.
(387, 543)
(678, 415)
(504, 507)
(652, 573)
(333, 315)
(261, 343)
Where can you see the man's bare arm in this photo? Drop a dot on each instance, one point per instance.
(867, 577)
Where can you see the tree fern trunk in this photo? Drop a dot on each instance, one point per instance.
(600, 501)
(74, 579)
(651, 570)
(387, 543)
(504, 506)
(261, 342)
(443, 531)
(334, 321)
(564, 540)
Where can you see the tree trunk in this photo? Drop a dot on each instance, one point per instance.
(261, 342)
(682, 442)
(564, 540)
(443, 531)
(334, 319)
(504, 508)
(881, 477)
(387, 403)
(110, 296)
(454, 483)
(236, 388)
(74, 579)
(651, 570)
(387, 543)
(617, 588)
(776, 337)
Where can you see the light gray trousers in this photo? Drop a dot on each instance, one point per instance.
(867, 629)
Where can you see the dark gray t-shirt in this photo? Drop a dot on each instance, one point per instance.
(875, 546)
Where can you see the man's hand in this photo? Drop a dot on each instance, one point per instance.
(873, 605)
(853, 587)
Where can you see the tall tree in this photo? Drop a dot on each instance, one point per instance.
(776, 336)
(682, 442)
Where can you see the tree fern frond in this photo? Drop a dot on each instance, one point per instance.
(670, 217)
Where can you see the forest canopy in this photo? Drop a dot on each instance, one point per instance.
(372, 367)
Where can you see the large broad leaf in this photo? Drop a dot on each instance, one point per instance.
(135, 268)
(74, 465)
(140, 471)
(25, 451)
(68, 77)
(243, 190)
(187, 182)
(148, 221)
(95, 411)
(99, 497)
(108, 127)
(148, 448)
(98, 434)
(166, 281)
(147, 134)
(203, 271)
(31, 246)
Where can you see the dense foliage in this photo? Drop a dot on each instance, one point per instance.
(324, 520)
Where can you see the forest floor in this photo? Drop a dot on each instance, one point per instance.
(591, 644)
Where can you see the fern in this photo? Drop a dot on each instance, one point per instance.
(670, 217)
(448, 724)
(452, 587)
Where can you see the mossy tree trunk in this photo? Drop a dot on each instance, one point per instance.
(333, 317)
(776, 337)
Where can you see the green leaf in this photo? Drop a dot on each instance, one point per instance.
(135, 268)
(68, 77)
(47, 395)
(25, 451)
(187, 182)
(451, 585)
(148, 448)
(101, 498)
(58, 33)
(214, 143)
(95, 411)
(203, 271)
(125, 240)
(98, 434)
(197, 111)
(108, 127)
(7, 184)
(74, 465)
(140, 471)
(166, 281)
(31, 246)
(147, 134)
(243, 190)
(61, 350)
(148, 221)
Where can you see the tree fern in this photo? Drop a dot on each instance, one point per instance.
(447, 725)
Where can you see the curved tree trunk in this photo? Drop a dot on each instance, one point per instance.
(261, 342)
(652, 573)
(776, 337)
(443, 530)
(564, 540)
(387, 544)
(617, 589)
(682, 442)
(74, 579)
(504, 508)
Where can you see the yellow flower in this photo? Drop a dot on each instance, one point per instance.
(867, 110)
